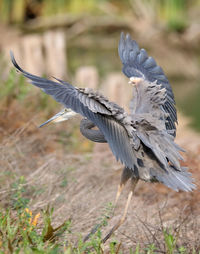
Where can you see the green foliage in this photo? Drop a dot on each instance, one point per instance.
(19, 233)
(49, 233)
(170, 242)
(182, 250)
(13, 87)
(83, 6)
(12, 11)
(94, 244)
(137, 250)
(64, 182)
(52, 7)
(151, 249)
(5, 8)
(175, 14)
(106, 215)
(18, 11)
(190, 105)
(18, 201)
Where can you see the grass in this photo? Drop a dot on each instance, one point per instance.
(34, 178)
(25, 231)
(10, 88)
(29, 225)
(21, 231)
(14, 88)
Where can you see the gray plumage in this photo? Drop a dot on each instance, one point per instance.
(144, 140)
(136, 63)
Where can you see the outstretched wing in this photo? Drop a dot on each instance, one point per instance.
(154, 117)
(93, 106)
(136, 63)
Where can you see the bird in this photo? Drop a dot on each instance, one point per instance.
(142, 140)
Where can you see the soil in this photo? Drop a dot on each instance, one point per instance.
(80, 180)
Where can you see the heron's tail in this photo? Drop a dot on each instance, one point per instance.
(177, 180)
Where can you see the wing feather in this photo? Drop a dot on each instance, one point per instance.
(160, 143)
(93, 106)
(137, 63)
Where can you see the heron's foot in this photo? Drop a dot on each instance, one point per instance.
(92, 232)
(108, 213)
(122, 219)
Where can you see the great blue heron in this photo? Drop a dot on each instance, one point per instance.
(144, 140)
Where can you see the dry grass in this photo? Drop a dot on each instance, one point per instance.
(79, 182)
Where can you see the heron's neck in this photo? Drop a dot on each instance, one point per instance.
(93, 135)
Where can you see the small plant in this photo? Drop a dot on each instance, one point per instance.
(27, 216)
(103, 220)
(107, 213)
(19, 202)
(49, 233)
(137, 250)
(182, 250)
(114, 247)
(151, 249)
(20, 233)
(170, 242)
(14, 87)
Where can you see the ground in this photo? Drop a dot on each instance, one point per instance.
(79, 179)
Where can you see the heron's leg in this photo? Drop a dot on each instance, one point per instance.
(126, 174)
(122, 219)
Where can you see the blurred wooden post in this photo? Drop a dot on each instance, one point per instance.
(33, 58)
(55, 53)
(87, 76)
(117, 89)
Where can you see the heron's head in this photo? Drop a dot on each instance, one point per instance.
(63, 115)
(135, 80)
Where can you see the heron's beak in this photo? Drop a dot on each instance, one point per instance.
(63, 115)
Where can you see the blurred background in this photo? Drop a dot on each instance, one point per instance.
(77, 40)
